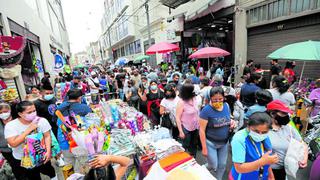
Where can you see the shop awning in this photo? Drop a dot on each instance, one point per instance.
(197, 9)
(173, 3)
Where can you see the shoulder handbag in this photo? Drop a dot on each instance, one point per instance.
(165, 121)
(295, 153)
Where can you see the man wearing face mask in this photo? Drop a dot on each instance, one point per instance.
(280, 136)
(45, 106)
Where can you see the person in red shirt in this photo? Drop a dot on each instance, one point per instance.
(162, 84)
(288, 72)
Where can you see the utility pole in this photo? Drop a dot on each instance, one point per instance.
(148, 25)
(101, 52)
(110, 52)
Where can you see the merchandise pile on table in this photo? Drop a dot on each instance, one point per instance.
(118, 129)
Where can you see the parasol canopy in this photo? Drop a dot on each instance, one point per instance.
(209, 52)
(121, 61)
(301, 51)
(162, 47)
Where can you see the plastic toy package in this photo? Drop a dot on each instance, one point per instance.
(34, 150)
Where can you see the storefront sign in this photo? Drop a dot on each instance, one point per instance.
(58, 62)
(55, 42)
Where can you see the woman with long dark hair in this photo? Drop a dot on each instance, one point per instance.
(280, 91)
(16, 132)
(187, 118)
(168, 107)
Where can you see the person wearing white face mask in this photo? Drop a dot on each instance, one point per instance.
(46, 106)
(18, 129)
(251, 150)
(5, 117)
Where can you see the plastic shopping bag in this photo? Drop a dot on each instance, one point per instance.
(295, 153)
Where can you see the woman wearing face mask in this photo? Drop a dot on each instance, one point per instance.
(5, 117)
(17, 130)
(168, 106)
(251, 150)
(215, 127)
(280, 136)
(187, 114)
(154, 97)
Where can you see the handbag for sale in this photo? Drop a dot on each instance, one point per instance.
(34, 150)
(295, 153)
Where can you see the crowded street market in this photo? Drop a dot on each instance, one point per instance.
(190, 106)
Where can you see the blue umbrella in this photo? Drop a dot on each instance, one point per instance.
(121, 61)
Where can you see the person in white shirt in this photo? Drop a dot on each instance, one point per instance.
(280, 91)
(168, 106)
(17, 130)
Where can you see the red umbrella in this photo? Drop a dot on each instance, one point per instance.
(162, 47)
(209, 52)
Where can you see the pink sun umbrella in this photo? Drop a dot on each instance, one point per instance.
(209, 52)
(162, 47)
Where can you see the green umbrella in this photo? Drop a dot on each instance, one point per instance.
(140, 58)
(301, 51)
(304, 51)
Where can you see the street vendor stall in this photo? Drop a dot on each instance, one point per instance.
(117, 129)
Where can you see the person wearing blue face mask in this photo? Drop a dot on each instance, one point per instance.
(252, 151)
(46, 106)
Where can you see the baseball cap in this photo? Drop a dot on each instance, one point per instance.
(279, 106)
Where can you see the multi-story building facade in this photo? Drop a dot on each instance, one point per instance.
(43, 25)
(125, 30)
(262, 26)
(94, 54)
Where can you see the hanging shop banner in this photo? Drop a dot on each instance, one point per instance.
(11, 50)
(67, 69)
(58, 62)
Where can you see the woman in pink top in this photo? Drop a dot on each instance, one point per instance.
(187, 118)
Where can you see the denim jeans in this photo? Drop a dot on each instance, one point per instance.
(121, 94)
(217, 157)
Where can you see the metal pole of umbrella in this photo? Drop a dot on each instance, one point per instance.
(304, 63)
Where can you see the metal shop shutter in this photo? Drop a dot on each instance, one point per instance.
(260, 45)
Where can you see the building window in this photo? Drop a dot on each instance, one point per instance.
(279, 8)
(137, 46)
(122, 51)
(131, 48)
(127, 49)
